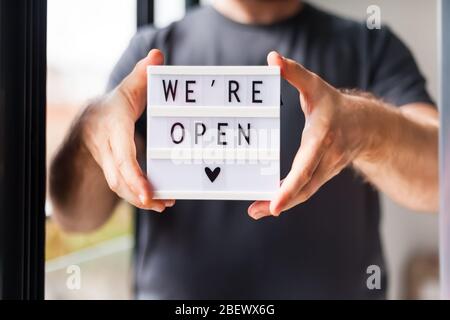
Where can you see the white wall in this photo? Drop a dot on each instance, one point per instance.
(405, 233)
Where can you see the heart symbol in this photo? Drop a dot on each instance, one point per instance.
(212, 174)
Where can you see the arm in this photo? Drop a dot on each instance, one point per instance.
(403, 160)
(96, 165)
(80, 195)
(395, 149)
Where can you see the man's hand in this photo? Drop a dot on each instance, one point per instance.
(108, 134)
(96, 164)
(330, 141)
(342, 128)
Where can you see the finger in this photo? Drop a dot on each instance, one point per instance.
(155, 205)
(134, 186)
(169, 203)
(322, 174)
(328, 168)
(259, 209)
(297, 75)
(117, 184)
(134, 86)
(124, 153)
(312, 148)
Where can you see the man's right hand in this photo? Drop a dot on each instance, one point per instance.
(107, 132)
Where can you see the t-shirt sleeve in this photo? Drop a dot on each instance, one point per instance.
(138, 47)
(394, 74)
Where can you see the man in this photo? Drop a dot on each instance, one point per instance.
(337, 145)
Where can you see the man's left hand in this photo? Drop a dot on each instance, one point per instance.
(333, 136)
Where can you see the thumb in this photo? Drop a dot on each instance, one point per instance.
(297, 75)
(134, 86)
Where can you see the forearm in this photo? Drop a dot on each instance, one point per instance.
(80, 195)
(400, 153)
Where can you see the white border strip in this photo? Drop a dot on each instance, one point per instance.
(214, 70)
(212, 154)
(213, 195)
(197, 111)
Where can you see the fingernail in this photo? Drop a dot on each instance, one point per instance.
(169, 203)
(159, 209)
(273, 52)
(143, 199)
(257, 215)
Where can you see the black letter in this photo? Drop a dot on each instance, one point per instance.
(241, 133)
(182, 132)
(221, 133)
(188, 82)
(199, 134)
(254, 92)
(172, 90)
(233, 91)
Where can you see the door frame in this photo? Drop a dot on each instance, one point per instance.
(444, 146)
(23, 32)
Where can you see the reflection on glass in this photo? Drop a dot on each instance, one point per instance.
(85, 39)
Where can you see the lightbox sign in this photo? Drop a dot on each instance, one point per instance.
(213, 132)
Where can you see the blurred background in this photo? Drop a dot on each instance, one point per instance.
(85, 39)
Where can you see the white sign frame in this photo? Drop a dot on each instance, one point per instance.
(271, 111)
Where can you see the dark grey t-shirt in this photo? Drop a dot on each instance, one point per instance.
(319, 249)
